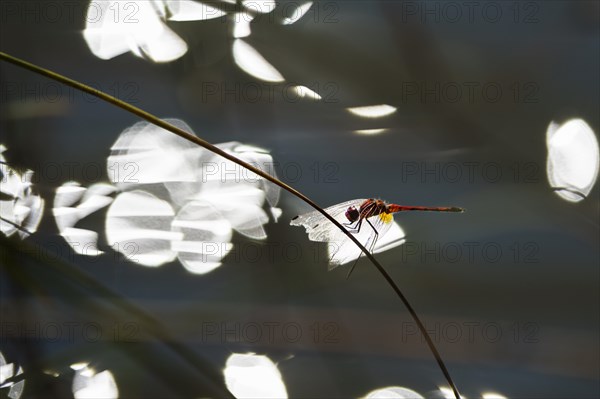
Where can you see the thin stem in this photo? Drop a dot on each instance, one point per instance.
(196, 140)
(16, 226)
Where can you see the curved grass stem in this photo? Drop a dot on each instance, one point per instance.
(196, 140)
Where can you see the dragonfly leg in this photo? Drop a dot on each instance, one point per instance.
(371, 246)
(352, 268)
(356, 227)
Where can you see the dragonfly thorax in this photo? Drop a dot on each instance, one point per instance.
(368, 208)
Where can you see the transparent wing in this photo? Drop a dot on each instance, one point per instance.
(342, 250)
(393, 238)
(382, 224)
(319, 228)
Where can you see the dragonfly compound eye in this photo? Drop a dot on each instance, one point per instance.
(352, 214)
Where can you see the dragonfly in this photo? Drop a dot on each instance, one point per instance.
(368, 219)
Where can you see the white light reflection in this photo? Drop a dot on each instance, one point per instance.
(305, 92)
(250, 61)
(181, 201)
(66, 215)
(79, 366)
(573, 159)
(393, 393)
(253, 376)
(175, 200)
(205, 240)
(241, 24)
(51, 373)
(147, 154)
(448, 393)
(297, 13)
(87, 384)
(139, 226)
(370, 132)
(493, 395)
(188, 10)
(373, 111)
(7, 370)
(116, 27)
(20, 210)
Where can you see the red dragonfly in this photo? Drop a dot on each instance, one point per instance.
(376, 213)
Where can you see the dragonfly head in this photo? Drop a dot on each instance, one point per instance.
(352, 214)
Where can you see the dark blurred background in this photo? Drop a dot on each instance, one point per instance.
(523, 323)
